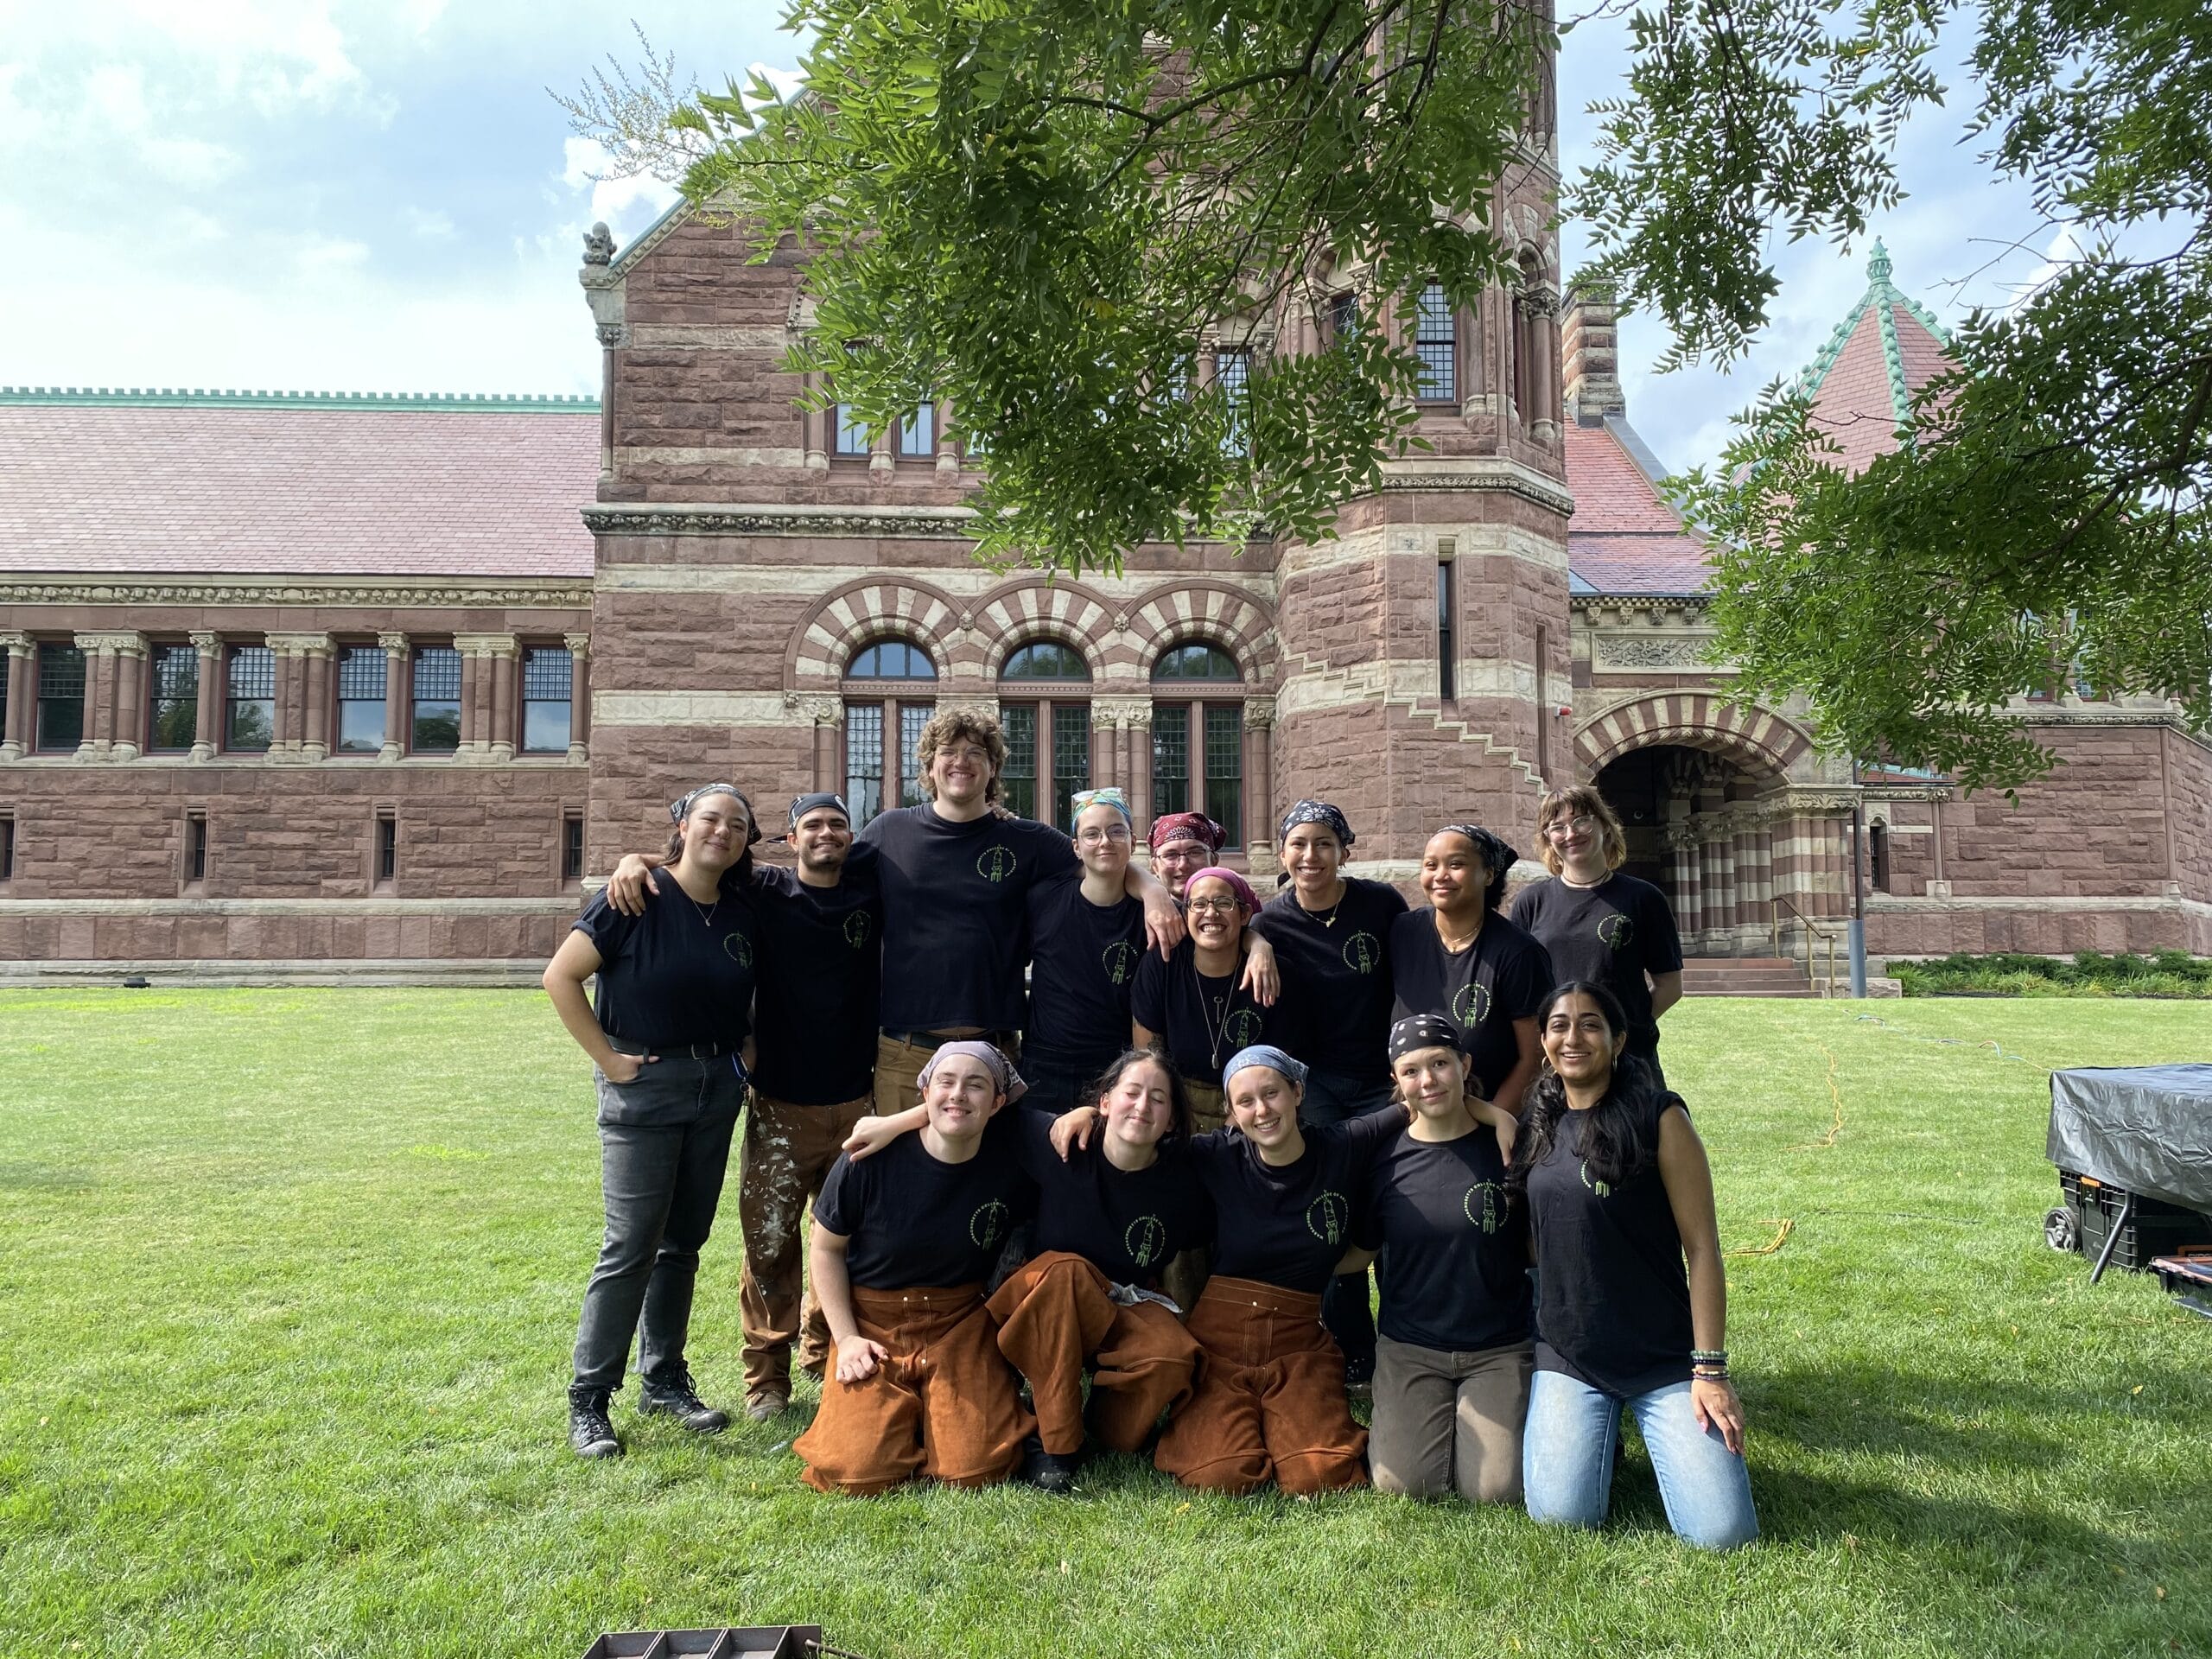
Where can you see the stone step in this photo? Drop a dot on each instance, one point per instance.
(1746, 977)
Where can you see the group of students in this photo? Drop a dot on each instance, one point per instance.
(1134, 1139)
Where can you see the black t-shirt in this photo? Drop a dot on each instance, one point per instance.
(820, 953)
(1483, 990)
(681, 973)
(1290, 1226)
(1336, 978)
(1458, 1275)
(1083, 965)
(1204, 1020)
(1615, 1307)
(955, 915)
(915, 1221)
(1611, 934)
(1128, 1224)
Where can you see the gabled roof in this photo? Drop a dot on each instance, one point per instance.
(295, 483)
(1624, 538)
(1865, 379)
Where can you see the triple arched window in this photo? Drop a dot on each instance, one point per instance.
(1198, 734)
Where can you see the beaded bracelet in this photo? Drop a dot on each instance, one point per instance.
(1709, 1356)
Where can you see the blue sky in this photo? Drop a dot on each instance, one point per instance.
(314, 194)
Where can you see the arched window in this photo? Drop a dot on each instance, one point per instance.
(1047, 730)
(885, 712)
(1197, 735)
(1436, 341)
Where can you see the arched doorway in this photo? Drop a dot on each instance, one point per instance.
(1699, 828)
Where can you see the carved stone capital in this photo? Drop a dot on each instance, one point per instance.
(1800, 802)
(485, 645)
(394, 645)
(299, 644)
(113, 644)
(207, 642)
(822, 708)
(579, 645)
(1259, 713)
(20, 644)
(1120, 711)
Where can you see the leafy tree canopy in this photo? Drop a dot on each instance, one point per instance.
(1035, 209)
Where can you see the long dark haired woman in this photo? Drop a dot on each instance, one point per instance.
(1634, 1311)
(666, 1036)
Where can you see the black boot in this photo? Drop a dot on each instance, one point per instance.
(591, 1434)
(1046, 1471)
(673, 1394)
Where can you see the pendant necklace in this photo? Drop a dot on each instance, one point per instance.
(1330, 919)
(706, 916)
(1216, 1030)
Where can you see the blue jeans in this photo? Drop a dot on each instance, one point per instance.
(1346, 1310)
(1567, 1461)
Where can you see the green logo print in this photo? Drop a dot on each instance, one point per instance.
(1485, 1206)
(987, 1225)
(995, 863)
(739, 949)
(1328, 1217)
(1145, 1240)
(1120, 962)
(1602, 1189)
(1616, 932)
(1471, 1006)
(1241, 1028)
(1362, 953)
(856, 929)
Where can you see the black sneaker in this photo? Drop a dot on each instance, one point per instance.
(673, 1394)
(1046, 1471)
(591, 1434)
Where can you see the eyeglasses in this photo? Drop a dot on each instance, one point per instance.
(1582, 826)
(1214, 907)
(1095, 837)
(973, 755)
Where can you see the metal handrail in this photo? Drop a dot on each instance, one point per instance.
(1812, 930)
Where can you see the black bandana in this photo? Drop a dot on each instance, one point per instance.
(1494, 850)
(1422, 1031)
(1316, 812)
(802, 804)
(678, 808)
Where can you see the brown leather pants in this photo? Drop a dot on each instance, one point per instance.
(944, 1403)
(1269, 1400)
(1056, 1314)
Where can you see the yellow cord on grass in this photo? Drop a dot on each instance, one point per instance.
(1783, 1226)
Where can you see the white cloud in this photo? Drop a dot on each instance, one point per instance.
(196, 163)
(428, 223)
(584, 163)
(316, 254)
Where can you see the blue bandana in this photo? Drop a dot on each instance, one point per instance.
(1263, 1054)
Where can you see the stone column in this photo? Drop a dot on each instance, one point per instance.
(480, 660)
(579, 646)
(882, 460)
(1106, 756)
(1543, 379)
(16, 666)
(827, 712)
(1750, 874)
(207, 720)
(1259, 782)
(110, 694)
(948, 453)
(815, 427)
(303, 699)
(125, 742)
(314, 666)
(1138, 715)
(398, 663)
(1680, 841)
(504, 666)
(1716, 892)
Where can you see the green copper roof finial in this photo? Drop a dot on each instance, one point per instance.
(1877, 265)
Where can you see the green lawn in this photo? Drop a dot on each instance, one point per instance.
(290, 1277)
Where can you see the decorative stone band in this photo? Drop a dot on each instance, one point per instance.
(113, 645)
(563, 904)
(553, 595)
(1686, 651)
(739, 518)
(1511, 479)
(688, 709)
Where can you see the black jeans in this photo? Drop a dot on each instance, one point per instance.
(664, 1149)
(1346, 1308)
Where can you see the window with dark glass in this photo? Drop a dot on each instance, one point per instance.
(361, 672)
(1047, 742)
(387, 849)
(249, 699)
(1343, 317)
(1446, 608)
(918, 432)
(195, 847)
(572, 847)
(7, 848)
(1232, 372)
(437, 722)
(1436, 344)
(1878, 856)
(849, 436)
(1197, 735)
(173, 702)
(547, 675)
(60, 699)
(883, 725)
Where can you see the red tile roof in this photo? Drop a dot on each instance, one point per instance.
(1611, 492)
(296, 485)
(1624, 538)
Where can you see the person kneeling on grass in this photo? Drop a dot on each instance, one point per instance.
(674, 1010)
(1453, 1358)
(1618, 1193)
(902, 1244)
(1269, 1402)
(1108, 1219)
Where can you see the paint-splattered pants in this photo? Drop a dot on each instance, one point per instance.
(1058, 1313)
(786, 1152)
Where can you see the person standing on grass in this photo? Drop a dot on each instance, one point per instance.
(1087, 938)
(1619, 1196)
(1269, 1400)
(1109, 1219)
(1331, 932)
(1453, 1358)
(902, 1244)
(1461, 958)
(1598, 925)
(667, 1036)
(1183, 843)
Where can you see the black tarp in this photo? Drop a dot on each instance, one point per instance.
(2146, 1130)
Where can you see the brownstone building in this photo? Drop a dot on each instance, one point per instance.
(308, 685)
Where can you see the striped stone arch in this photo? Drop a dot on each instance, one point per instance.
(1010, 617)
(1757, 740)
(1214, 612)
(846, 618)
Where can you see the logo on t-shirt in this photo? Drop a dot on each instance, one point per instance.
(1471, 1006)
(996, 862)
(1485, 1206)
(1328, 1217)
(1241, 1028)
(856, 929)
(1120, 960)
(739, 949)
(1603, 1189)
(1616, 932)
(1145, 1240)
(1362, 953)
(987, 1225)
